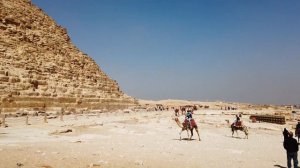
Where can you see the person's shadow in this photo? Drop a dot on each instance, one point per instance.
(281, 166)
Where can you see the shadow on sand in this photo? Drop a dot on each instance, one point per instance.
(280, 166)
(185, 139)
(234, 137)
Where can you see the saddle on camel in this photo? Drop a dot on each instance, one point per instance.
(190, 124)
(237, 124)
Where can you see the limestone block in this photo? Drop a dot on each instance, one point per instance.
(24, 86)
(42, 82)
(4, 78)
(45, 94)
(29, 93)
(61, 89)
(14, 80)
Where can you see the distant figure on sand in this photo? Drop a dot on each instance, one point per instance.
(291, 146)
(297, 131)
(176, 112)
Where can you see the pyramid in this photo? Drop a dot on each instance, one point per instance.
(40, 67)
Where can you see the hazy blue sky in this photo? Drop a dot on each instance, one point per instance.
(230, 50)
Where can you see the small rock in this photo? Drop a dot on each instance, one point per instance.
(20, 164)
(66, 131)
(139, 163)
(93, 165)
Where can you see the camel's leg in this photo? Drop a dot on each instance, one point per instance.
(246, 134)
(188, 134)
(191, 133)
(198, 133)
(180, 134)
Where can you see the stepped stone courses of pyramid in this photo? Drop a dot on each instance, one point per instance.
(39, 65)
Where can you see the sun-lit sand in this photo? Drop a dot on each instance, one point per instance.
(139, 139)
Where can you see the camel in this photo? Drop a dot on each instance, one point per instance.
(183, 111)
(240, 128)
(184, 126)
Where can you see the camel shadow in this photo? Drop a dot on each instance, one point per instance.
(234, 137)
(185, 139)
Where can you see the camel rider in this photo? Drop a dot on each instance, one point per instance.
(188, 117)
(236, 120)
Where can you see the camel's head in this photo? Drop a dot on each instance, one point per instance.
(176, 119)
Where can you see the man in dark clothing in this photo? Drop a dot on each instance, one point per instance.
(297, 131)
(285, 134)
(298, 125)
(291, 146)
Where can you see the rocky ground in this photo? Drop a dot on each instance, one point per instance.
(138, 139)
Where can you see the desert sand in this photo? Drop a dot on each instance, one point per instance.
(139, 139)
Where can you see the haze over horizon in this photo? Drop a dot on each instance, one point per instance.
(239, 51)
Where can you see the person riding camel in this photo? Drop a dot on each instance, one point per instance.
(235, 123)
(188, 117)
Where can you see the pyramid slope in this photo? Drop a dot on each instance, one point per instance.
(39, 65)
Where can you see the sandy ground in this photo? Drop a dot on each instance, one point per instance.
(138, 139)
